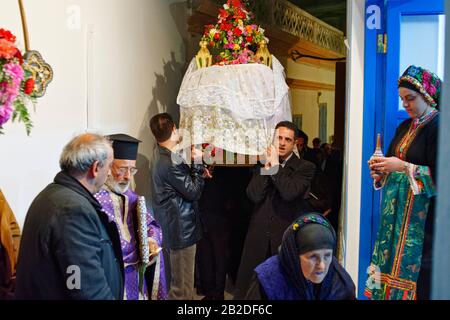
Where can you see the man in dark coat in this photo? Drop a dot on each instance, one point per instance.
(69, 248)
(177, 190)
(278, 191)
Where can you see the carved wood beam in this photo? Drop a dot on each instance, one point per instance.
(309, 85)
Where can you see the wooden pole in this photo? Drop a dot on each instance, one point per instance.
(24, 26)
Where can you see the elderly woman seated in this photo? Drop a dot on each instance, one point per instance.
(305, 267)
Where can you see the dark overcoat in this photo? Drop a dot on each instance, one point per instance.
(279, 199)
(66, 234)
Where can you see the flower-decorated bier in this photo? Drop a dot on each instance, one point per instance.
(233, 98)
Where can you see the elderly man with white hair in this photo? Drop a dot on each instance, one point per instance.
(144, 269)
(69, 249)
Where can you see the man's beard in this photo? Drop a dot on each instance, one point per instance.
(117, 187)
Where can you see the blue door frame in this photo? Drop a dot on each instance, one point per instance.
(381, 72)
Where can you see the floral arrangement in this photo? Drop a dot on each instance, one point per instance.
(234, 34)
(17, 85)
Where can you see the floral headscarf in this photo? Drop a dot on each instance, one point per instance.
(424, 82)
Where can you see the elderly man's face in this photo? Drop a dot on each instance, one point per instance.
(121, 173)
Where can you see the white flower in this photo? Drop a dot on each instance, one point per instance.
(212, 32)
(226, 7)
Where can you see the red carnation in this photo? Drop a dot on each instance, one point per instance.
(237, 3)
(226, 26)
(7, 35)
(237, 31)
(29, 86)
(249, 39)
(239, 14)
(223, 13)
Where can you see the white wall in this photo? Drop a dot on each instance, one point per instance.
(351, 198)
(122, 64)
(305, 101)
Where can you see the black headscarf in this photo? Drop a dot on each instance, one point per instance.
(314, 232)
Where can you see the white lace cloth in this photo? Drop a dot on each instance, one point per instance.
(234, 107)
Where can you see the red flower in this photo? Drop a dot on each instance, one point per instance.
(223, 13)
(18, 55)
(237, 3)
(211, 43)
(29, 86)
(7, 35)
(217, 36)
(226, 26)
(237, 31)
(239, 14)
(249, 39)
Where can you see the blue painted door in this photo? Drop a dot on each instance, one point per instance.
(414, 30)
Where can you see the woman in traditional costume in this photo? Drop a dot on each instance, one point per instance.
(401, 261)
(305, 268)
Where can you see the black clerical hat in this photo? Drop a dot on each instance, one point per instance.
(125, 147)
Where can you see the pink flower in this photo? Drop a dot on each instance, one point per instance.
(426, 77)
(9, 89)
(243, 59)
(14, 70)
(5, 113)
(432, 90)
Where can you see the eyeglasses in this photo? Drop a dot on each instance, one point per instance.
(123, 170)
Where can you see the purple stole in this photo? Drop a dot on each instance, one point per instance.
(122, 210)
